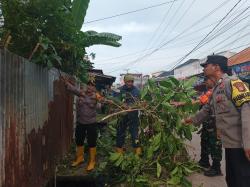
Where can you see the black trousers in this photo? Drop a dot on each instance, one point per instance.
(237, 168)
(86, 130)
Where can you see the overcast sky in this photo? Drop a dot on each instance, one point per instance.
(145, 31)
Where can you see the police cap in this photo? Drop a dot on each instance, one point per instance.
(217, 59)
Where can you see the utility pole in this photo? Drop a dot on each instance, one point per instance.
(126, 70)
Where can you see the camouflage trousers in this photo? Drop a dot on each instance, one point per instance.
(210, 145)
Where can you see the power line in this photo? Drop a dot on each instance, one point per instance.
(184, 31)
(169, 22)
(230, 37)
(177, 23)
(197, 46)
(214, 36)
(182, 44)
(149, 46)
(180, 34)
(138, 52)
(228, 26)
(130, 12)
(238, 47)
(163, 20)
(177, 38)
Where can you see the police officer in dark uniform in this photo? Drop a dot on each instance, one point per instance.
(230, 102)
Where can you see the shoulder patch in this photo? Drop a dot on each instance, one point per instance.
(240, 92)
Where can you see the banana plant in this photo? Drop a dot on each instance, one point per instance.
(29, 26)
(79, 10)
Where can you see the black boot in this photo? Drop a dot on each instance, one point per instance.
(204, 164)
(213, 172)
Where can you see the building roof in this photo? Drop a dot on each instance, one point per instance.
(190, 61)
(239, 58)
(166, 73)
(156, 74)
(133, 74)
(100, 79)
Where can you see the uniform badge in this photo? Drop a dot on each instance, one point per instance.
(240, 86)
(219, 98)
(240, 92)
(222, 85)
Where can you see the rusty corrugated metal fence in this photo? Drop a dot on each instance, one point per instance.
(35, 122)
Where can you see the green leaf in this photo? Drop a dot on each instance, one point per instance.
(158, 169)
(94, 38)
(114, 156)
(156, 141)
(79, 10)
(190, 82)
(174, 81)
(150, 152)
(119, 161)
(186, 183)
(144, 92)
(174, 171)
(188, 133)
(102, 165)
(174, 180)
(166, 84)
(141, 179)
(187, 170)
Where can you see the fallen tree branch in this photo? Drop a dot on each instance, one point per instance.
(120, 112)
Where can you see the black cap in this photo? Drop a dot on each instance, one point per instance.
(217, 59)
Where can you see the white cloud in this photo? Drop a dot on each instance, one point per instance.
(126, 28)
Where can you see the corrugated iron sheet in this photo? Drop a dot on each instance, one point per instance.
(36, 120)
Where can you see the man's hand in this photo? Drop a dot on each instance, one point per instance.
(247, 153)
(187, 121)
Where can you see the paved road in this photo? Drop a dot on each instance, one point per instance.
(199, 179)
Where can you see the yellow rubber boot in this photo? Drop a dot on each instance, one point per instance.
(79, 156)
(92, 158)
(119, 150)
(138, 151)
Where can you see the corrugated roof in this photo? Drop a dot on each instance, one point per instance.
(241, 57)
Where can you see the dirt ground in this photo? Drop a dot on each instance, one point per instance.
(199, 179)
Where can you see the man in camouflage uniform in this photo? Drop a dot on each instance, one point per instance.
(230, 102)
(210, 145)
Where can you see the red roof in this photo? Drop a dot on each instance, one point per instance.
(241, 57)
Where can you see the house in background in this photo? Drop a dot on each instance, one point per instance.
(102, 81)
(188, 69)
(159, 76)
